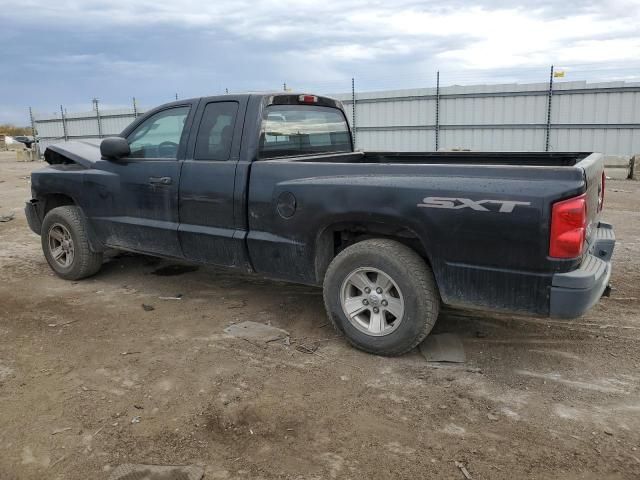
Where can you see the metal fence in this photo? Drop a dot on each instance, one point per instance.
(565, 116)
(83, 125)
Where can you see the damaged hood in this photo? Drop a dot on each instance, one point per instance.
(82, 152)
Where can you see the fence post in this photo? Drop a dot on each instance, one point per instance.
(64, 124)
(353, 112)
(549, 101)
(33, 132)
(95, 104)
(135, 108)
(437, 110)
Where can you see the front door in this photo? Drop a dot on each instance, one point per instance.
(140, 211)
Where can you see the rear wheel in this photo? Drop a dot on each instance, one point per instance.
(65, 244)
(381, 294)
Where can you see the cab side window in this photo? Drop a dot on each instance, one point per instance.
(215, 134)
(159, 136)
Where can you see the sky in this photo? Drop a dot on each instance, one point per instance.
(67, 52)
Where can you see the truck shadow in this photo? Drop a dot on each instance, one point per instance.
(300, 308)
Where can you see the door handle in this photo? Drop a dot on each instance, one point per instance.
(160, 180)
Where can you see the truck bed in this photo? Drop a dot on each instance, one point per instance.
(480, 256)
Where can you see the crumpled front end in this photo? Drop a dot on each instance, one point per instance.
(82, 152)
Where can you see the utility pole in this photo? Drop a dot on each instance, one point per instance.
(97, 109)
(64, 124)
(353, 111)
(33, 133)
(33, 125)
(549, 102)
(437, 110)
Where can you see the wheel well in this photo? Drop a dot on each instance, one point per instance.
(336, 238)
(54, 200)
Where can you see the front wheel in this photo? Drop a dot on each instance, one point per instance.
(65, 244)
(381, 294)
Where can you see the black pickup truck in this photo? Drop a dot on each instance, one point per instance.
(270, 183)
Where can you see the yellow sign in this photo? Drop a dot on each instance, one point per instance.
(558, 74)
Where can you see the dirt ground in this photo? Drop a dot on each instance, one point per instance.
(79, 361)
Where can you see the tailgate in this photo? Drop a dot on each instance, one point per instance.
(593, 167)
(574, 292)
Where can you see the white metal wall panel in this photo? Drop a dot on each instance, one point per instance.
(115, 125)
(394, 140)
(598, 108)
(622, 141)
(602, 117)
(50, 129)
(493, 139)
(82, 127)
(493, 110)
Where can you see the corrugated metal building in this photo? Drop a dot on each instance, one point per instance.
(83, 125)
(603, 117)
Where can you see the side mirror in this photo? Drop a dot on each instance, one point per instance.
(113, 148)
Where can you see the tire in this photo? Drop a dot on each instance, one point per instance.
(65, 244)
(409, 290)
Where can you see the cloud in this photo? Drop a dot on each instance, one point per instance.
(69, 51)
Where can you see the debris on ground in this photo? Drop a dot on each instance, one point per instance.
(176, 297)
(55, 432)
(156, 472)
(135, 419)
(444, 347)
(8, 217)
(307, 349)
(256, 331)
(464, 470)
(58, 461)
(148, 308)
(492, 417)
(62, 324)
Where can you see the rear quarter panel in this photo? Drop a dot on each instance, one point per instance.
(478, 256)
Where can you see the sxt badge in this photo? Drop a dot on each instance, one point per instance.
(506, 206)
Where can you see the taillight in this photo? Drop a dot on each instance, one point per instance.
(568, 227)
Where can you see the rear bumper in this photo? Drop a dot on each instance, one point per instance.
(575, 292)
(33, 217)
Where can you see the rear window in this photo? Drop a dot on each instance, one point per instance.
(303, 129)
